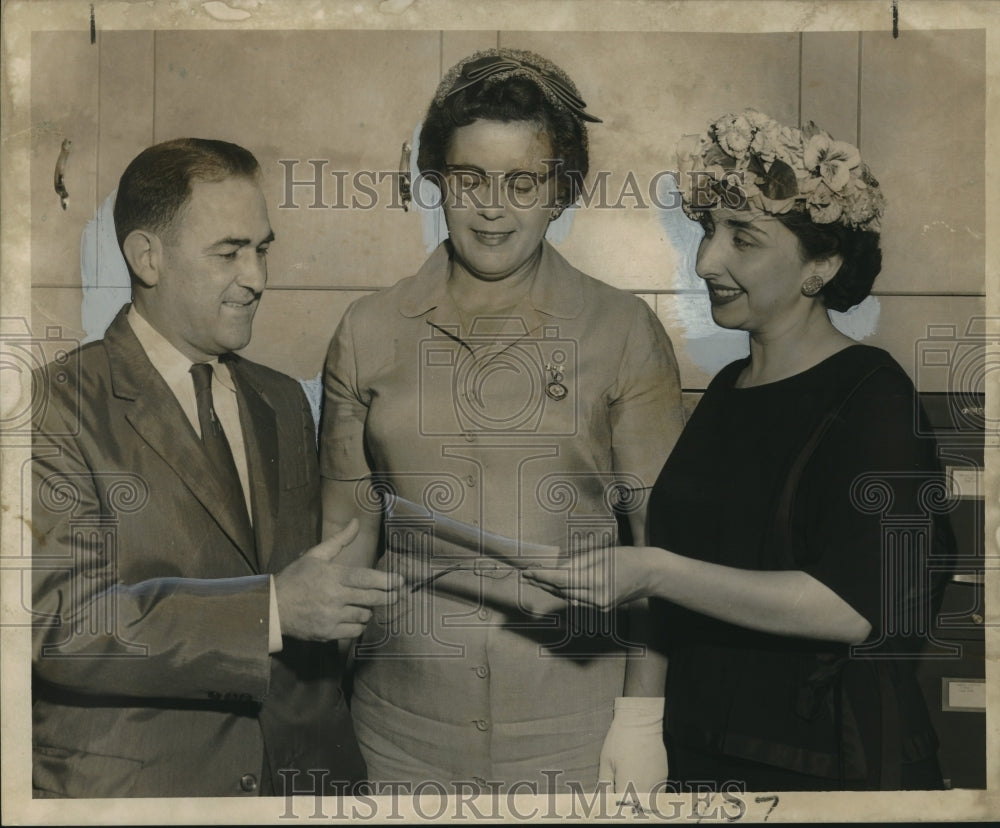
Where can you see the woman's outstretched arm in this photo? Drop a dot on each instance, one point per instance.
(784, 602)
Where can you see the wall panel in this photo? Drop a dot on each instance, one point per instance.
(64, 100)
(127, 98)
(457, 45)
(829, 90)
(925, 140)
(649, 88)
(349, 98)
(57, 307)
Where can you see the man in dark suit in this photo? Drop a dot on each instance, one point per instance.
(186, 614)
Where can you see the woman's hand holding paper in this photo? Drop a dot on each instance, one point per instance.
(602, 578)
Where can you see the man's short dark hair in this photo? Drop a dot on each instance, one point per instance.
(157, 183)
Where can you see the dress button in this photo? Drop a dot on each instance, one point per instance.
(482, 671)
(483, 614)
(248, 782)
(470, 480)
(470, 438)
(482, 725)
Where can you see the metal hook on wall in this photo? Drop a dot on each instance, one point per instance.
(60, 173)
(404, 176)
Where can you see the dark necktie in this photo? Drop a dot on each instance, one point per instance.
(216, 445)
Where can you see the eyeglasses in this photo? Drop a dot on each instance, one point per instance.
(520, 186)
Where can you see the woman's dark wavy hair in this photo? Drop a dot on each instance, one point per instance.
(513, 99)
(858, 248)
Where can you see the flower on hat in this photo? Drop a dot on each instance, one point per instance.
(831, 160)
(780, 169)
(734, 134)
(823, 205)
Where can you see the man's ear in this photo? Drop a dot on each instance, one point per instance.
(144, 254)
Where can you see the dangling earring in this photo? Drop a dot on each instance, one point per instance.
(812, 285)
(558, 211)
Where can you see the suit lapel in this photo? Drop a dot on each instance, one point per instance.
(160, 421)
(260, 436)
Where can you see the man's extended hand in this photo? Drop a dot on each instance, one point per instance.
(321, 600)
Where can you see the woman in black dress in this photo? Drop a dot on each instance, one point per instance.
(790, 602)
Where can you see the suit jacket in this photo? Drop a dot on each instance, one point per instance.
(151, 672)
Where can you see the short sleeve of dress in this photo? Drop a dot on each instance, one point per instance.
(865, 497)
(646, 411)
(345, 408)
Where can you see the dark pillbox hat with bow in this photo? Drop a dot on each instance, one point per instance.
(495, 65)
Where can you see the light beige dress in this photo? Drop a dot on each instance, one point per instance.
(468, 423)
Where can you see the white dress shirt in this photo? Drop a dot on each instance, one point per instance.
(175, 368)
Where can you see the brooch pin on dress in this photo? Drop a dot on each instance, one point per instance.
(555, 389)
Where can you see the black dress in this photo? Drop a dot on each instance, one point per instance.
(798, 474)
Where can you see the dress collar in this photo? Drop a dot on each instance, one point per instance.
(557, 289)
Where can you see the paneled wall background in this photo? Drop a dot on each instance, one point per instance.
(915, 106)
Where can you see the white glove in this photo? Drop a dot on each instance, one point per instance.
(633, 750)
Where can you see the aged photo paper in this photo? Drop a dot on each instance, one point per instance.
(326, 94)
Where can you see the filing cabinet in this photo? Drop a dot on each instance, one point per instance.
(954, 686)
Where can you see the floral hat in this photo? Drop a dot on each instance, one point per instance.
(751, 159)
